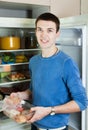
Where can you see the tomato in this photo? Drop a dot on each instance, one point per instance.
(20, 109)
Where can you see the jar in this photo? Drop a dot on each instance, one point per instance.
(30, 40)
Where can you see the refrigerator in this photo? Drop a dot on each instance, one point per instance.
(73, 40)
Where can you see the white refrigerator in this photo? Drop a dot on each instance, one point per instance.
(73, 40)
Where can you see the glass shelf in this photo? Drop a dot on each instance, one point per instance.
(19, 50)
(14, 64)
(5, 81)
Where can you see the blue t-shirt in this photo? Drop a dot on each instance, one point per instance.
(55, 81)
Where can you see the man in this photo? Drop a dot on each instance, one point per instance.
(55, 85)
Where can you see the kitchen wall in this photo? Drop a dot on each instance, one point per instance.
(84, 6)
(65, 8)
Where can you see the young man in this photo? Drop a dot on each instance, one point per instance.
(55, 85)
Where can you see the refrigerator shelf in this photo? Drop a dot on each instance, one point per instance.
(64, 44)
(14, 64)
(20, 50)
(5, 81)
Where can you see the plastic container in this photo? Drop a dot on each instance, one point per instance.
(10, 108)
(8, 58)
(10, 43)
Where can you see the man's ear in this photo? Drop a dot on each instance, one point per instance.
(58, 33)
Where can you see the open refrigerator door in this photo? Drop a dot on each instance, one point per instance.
(73, 40)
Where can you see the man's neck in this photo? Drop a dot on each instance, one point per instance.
(49, 52)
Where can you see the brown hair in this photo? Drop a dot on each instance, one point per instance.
(49, 17)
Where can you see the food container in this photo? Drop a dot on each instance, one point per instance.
(4, 74)
(11, 110)
(10, 43)
(30, 41)
(15, 76)
(8, 58)
(19, 117)
(6, 90)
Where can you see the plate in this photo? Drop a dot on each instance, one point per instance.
(15, 76)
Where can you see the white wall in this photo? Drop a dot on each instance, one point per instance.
(65, 8)
(84, 6)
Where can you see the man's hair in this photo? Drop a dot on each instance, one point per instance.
(49, 17)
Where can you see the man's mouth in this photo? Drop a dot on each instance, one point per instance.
(44, 41)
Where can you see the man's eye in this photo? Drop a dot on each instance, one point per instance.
(50, 30)
(39, 29)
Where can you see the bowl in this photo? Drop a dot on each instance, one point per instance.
(8, 58)
(10, 43)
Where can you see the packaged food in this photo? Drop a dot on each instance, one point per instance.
(11, 110)
(13, 76)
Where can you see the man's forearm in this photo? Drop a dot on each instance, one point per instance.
(69, 107)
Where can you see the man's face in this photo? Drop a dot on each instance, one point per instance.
(46, 33)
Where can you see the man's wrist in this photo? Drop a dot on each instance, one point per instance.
(52, 111)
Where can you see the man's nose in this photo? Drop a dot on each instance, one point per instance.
(44, 33)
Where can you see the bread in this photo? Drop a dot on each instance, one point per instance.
(12, 101)
(11, 113)
(20, 118)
